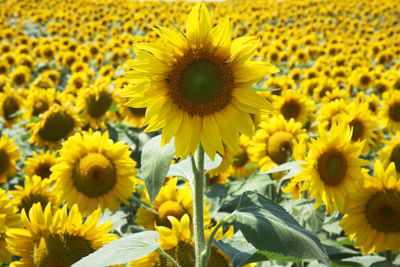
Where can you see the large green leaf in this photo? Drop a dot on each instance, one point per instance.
(155, 164)
(269, 228)
(123, 250)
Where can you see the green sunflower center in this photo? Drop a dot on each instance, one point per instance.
(43, 170)
(169, 208)
(31, 199)
(10, 106)
(200, 83)
(39, 107)
(4, 161)
(291, 109)
(383, 211)
(395, 157)
(394, 112)
(358, 129)
(280, 146)
(332, 167)
(57, 126)
(94, 175)
(241, 158)
(98, 105)
(60, 250)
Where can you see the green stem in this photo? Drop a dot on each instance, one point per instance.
(300, 263)
(198, 214)
(166, 255)
(389, 256)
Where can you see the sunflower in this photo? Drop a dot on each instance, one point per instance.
(35, 190)
(333, 168)
(42, 82)
(40, 164)
(273, 142)
(9, 219)
(294, 104)
(20, 76)
(53, 75)
(57, 239)
(390, 111)
(363, 124)
(77, 81)
(177, 241)
(94, 104)
(94, 171)
(56, 124)
(199, 84)
(4, 66)
(38, 101)
(10, 103)
(169, 202)
(8, 157)
(331, 112)
(372, 215)
(242, 165)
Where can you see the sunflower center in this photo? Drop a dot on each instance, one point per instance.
(43, 170)
(10, 106)
(201, 83)
(358, 129)
(395, 157)
(394, 112)
(31, 199)
(169, 208)
(39, 107)
(57, 126)
(383, 211)
(137, 111)
(291, 109)
(241, 158)
(332, 167)
(365, 80)
(19, 79)
(94, 175)
(280, 146)
(4, 161)
(98, 105)
(60, 250)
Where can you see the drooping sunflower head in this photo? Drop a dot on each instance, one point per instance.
(40, 164)
(95, 102)
(333, 167)
(194, 82)
(94, 171)
(372, 215)
(55, 238)
(8, 157)
(35, 190)
(10, 219)
(56, 124)
(38, 101)
(10, 103)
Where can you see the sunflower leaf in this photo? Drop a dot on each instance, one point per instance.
(123, 250)
(269, 228)
(292, 167)
(155, 163)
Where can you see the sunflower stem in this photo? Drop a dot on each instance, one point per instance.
(389, 256)
(198, 214)
(169, 258)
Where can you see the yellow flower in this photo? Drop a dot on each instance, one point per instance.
(56, 239)
(40, 164)
(199, 85)
(333, 168)
(390, 111)
(372, 215)
(8, 157)
(10, 103)
(38, 101)
(242, 165)
(20, 76)
(94, 171)
(9, 219)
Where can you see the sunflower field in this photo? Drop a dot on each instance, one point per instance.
(189, 134)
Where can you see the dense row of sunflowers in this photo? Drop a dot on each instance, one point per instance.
(334, 87)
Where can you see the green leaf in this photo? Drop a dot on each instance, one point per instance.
(156, 162)
(113, 108)
(26, 136)
(184, 168)
(265, 89)
(292, 167)
(123, 250)
(361, 261)
(269, 228)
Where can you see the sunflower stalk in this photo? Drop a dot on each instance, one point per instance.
(168, 257)
(198, 212)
